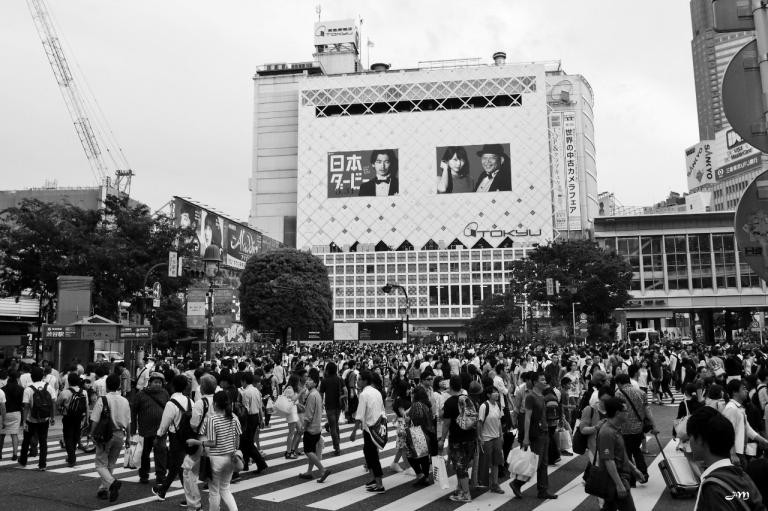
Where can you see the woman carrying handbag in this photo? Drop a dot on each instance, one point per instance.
(221, 433)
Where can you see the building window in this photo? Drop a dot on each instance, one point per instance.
(677, 262)
(701, 262)
(725, 260)
(653, 263)
(629, 249)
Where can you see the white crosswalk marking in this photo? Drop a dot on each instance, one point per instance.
(280, 483)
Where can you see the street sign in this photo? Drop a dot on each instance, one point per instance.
(743, 97)
(173, 264)
(751, 225)
(157, 291)
(59, 332)
(583, 317)
(136, 332)
(550, 287)
(732, 16)
(755, 326)
(156, 302)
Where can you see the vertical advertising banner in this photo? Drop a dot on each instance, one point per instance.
(557, 169)
(364, 173)
(241, 244)
(572, 171)
(700, 164)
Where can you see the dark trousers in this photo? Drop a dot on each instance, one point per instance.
(632, 444)
(176, 453)
(333, 426)
(420, 465)
(540, 446)
(39, 430)
(250, 452)
(371, 454)
(267, 416)
(70, 430)
(553, 453)
(625, 504)
(156, 445)
(351, 409)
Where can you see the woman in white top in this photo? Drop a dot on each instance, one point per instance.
(489, 435)
(292, 418)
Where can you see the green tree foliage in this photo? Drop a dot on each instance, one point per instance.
(285, 289)
(598, 279)
(116, 246)
(170, 321)
(494, 315)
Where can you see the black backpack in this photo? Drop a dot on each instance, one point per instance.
(184, 430)
(77, 405)
(42, 403)
(102, 433)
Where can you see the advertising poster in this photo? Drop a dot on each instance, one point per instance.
(751, 225)
(208, 227)
(699, 164)
(571, 171)
(557, 166)
(241, 244)
(365, 173)
(473, 168)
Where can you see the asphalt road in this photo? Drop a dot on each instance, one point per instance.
(62, 488)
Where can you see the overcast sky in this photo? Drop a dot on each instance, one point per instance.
(173, 78)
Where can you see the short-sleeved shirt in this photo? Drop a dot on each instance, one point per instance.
(456, 434)
(535, 403)
(370, 407)
(610, 446)
(2, 397)
(223, 432)
(331, 388)
(490, 416)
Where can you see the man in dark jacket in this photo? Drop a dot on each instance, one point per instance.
(724, 486)
(147, 412)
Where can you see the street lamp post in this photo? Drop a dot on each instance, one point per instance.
(387, 288)
(211, 260)
(573, 315)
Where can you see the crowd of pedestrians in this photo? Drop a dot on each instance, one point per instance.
(470, 402)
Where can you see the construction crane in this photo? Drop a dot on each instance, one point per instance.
(78, 107)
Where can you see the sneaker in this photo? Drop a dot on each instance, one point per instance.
(370, 484)
(497, 489)
(395, 467)
(183, 503)
(159, 493)
(306, 475)
(103, 494)
(41, 469)
(236, 478)
(14, 457)
(375, 489)
(566, 453)
(291, 456)
(515, 489)
(460, 498)
(337, 452)
(114, 489)
(546, 496)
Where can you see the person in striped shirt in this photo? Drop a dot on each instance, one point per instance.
(221, 435)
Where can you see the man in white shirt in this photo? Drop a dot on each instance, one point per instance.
(100, 385)
(142, 375)
(734, 411)
(201, 410)
(370, 408)
(33, 424)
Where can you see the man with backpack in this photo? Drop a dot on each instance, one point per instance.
(175, 423)
(460, 424)
(36, 416)
(110, 422)
(350, 382)
(147, 412)
(197, 462)
(73, 406)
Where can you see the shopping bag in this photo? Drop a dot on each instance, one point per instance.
(440, 473)
(283, 405)
(563, 437)
(416, 442)
(342, 419)
(270, 408)
(522, 464)
(133, 452)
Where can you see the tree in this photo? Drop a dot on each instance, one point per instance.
(598, 279)
(286, 289)
(115, 245)
(170, 322)
(494, 315)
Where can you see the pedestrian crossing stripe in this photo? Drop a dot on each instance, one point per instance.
(280, 483)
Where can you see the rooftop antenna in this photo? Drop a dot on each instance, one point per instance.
(318, 10)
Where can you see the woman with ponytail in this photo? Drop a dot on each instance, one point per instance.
(221, 435)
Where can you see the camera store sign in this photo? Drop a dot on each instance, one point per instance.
(472, 230)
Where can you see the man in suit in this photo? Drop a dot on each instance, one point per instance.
(495, 177)
(385, 183)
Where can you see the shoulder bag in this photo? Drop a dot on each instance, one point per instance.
(599, 482)
(579, 442)
(681, 425)
(647, 424)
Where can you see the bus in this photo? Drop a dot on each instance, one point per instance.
(645, 336)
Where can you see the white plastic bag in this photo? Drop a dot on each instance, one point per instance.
(563, 437)
(522, 464)
(439, 472)
(283, 406)
(133, 452)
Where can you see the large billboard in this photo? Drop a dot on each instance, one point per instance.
(734, 155)
(236, 241)
(473, 168)
(364, 173)
(408, 123)
(751, 225)
(700, 164)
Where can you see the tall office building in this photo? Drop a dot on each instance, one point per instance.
(711, 54)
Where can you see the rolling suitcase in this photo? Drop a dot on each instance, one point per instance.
(682, 481)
